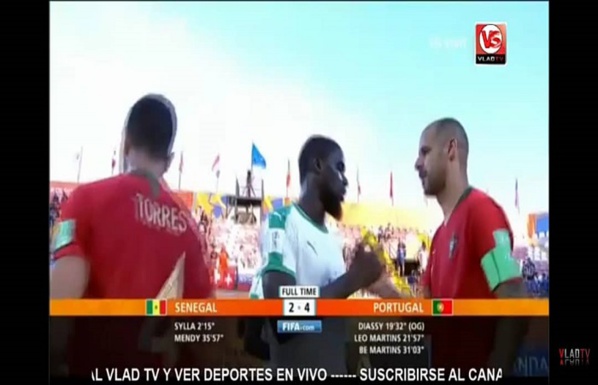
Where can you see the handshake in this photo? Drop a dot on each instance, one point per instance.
(367, 266)
(370, 269)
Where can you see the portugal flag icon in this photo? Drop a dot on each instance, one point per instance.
(442, 307)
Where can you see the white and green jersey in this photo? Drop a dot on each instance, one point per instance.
(293, 244)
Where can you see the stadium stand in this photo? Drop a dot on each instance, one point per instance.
(233, 248)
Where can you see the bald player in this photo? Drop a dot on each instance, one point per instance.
(470, 255)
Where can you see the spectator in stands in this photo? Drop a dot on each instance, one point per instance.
(63, 197)
(57, 199)
(401, 257)
(241, 243)
(422, 256)
(544, 285)
(529, 269)
(53, 215)
(249, 184)
(345, 253)
(392, 249)
(413, 280)
(213, 255)
(223, 260)
(54, 208)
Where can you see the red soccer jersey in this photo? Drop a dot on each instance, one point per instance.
(470, 256)
(139, 243)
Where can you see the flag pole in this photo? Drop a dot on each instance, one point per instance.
(251, 158)
(249, 184)
(217, 180)
(180, 170)
(358, 186)
(392, 182)
(517, 196)
(79, 165)
(113, 163)
(288, 178)
(392, 190)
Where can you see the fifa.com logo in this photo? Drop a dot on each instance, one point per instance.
(574, 357)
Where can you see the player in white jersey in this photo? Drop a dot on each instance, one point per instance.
(298, 249)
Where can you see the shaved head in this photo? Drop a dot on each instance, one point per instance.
(443, 151)
(450, 129)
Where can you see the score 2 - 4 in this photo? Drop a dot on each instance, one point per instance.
(299, 307)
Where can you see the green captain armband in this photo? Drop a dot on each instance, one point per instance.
(498, 264)
(274, 242)
(64, 236)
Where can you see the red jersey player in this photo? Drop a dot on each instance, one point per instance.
(126, 237)
(470, 255)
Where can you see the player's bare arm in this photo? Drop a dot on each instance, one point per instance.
(68, 280)
(494, 242)
(343, 287)
(271, 282)
(281, 244)
(384, 288)
(510, 331)
(70, 274)
(69, 277)
(365, 269)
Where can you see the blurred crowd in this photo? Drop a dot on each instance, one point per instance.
(232, 243)
(233, 249)
(57, 198)
(401, 244)
(235, 246)
(537, 281)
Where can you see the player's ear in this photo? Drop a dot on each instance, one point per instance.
(317, 165)
(451, 149)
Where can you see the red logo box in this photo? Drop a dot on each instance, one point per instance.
(491, 43)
